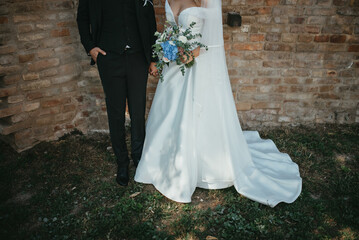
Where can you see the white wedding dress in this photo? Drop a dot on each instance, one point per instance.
(194, 138)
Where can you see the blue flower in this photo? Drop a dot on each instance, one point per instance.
(170, 50)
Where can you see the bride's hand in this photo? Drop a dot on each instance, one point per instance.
(193, 54)
(187, 58)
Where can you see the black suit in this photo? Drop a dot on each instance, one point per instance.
(123, 71)
(90, 14)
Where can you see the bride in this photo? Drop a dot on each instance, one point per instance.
(193, 135)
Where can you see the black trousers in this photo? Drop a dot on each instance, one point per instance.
(124, 76)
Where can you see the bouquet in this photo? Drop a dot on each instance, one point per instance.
(173, 44)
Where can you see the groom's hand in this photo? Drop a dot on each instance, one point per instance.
(95, 52)
(153, 69)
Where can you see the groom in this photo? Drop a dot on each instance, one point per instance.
(118, 35)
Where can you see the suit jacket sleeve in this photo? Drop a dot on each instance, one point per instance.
(153, 30)
(84, 25)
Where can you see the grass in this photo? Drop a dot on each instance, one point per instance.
(66, 190)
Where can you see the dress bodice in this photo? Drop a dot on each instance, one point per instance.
(186, 17)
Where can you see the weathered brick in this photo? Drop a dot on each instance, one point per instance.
(44, 120)
(338, 38)
(10, 111)
(326, 96)
(305, 38)
(347, 11)
(28, 7)
(31, 106)
(60, 5)
(243, 106)
(44, 26)
(272, 2)
(277, 47)
(240, 37)
(6, 130)
(15, 98)
(321, 38)
(30, 76)
(69, 108)
(31, 36)
(19, 117)
(43, 64)
(288, 37)
(4, 92)
(248, 46)
(49, 73)
(49, 111)
(305, 47)
(273, 37)
(60, 33)
(277, 64)
(353, 48)
(332, 48)
(25, 28)
(26, 57)
(256, 37)
(340, 2)
(248, 89)
(55, 102)
(9, 70)
(312, 29)
(262, 105)
(10, 79)
(63, 117)
(316, 20)
(45, 53)
(7, 60)
(7, 49)
(266, 81)
(34, 95)
(4, 20)
(33, 85)
(26, 18)
(67, 15)
(63, 79)
(296, 20)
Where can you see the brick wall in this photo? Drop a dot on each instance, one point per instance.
(291, 62)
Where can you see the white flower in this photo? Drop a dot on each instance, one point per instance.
(182, 39)
(172, 43)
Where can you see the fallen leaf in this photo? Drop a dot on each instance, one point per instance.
(134, 194)
(211, 238)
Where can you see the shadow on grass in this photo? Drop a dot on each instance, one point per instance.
(66, 190)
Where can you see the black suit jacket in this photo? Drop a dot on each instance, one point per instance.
(89, 15)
